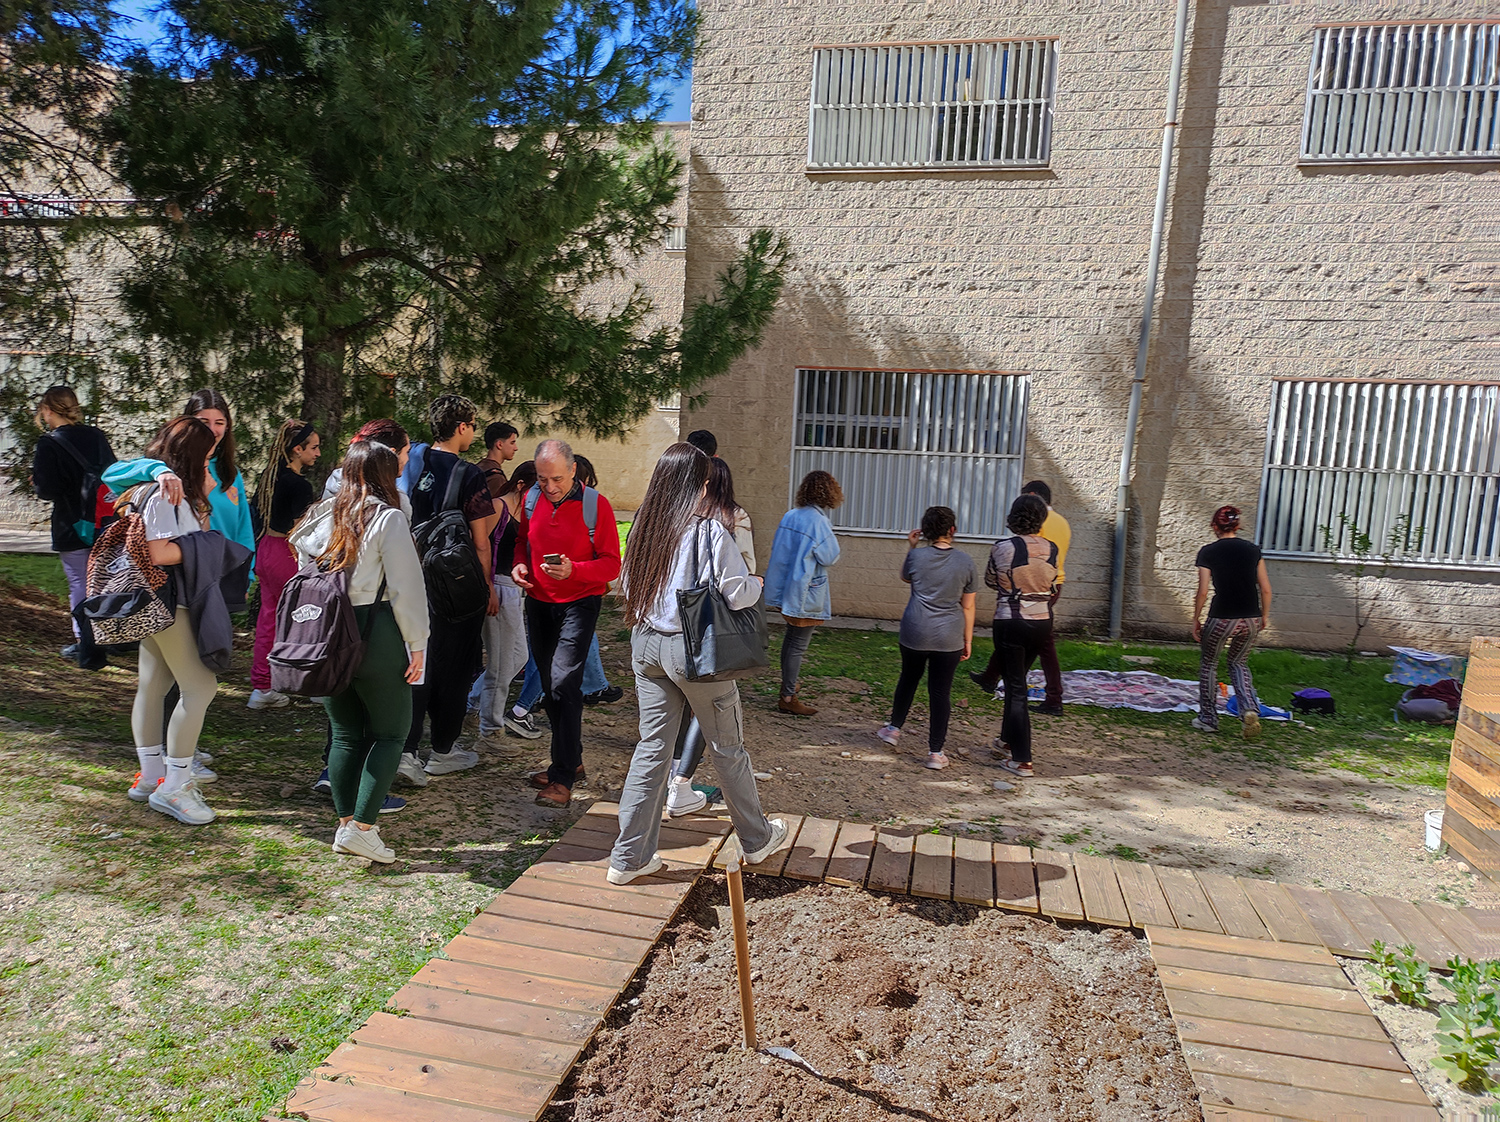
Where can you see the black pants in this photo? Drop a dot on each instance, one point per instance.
(560, 635)
(940, 667)
(689, 751)
(1051, 669)
(453, 650)
(1018, 642)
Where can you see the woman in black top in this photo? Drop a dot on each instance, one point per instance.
(283, 498)
(69, 452)
(1240, 610)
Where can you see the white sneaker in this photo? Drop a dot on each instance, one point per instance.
(200, 771)
(204, 758)
(141, 788)
(445, 763)
(621, 876)
(1203, 726)
(778, 835)
(684, 798)
(890, 734)
(495, 742)
(410, 769)
(184, 804)
(352, 840)
(267, 699)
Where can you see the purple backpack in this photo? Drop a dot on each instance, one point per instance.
(318, 645)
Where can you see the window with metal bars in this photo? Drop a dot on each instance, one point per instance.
(676, 239)
(932, 105)
(1413, 465)
(900, 441)
(1412, 91)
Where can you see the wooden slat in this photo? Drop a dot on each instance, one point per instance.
(1365, 917)
(1057, 884)
(809, 857)
(1015, 879)
(564, 914)
(322, 1100)
(1236, 914)
(649, 896)
(1432, 945)
(1356, 1025)
(1477, 742)
(1313, 1075)
(1299, 1102)
(521, 1095)
(1280, 913)
(512, 985)
(772, 865)
(546, 936)
(468, 1044)
(974, 872)
(1334, 930)
(849, 863)
(890, 867)
(1103, 902)
(932, 869)
(1472, 843)
(1143, 895)
(1459, 928)
(1290, 1042)
(1246, 966)
(423, 1003)
(535, 960)
(1227, 944)
(1188, 901)
(1258, 989)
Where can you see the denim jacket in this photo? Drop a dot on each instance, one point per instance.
(797, 573)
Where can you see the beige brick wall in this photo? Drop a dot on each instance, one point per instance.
(1270, 269)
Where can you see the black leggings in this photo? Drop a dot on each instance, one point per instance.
(940, 667)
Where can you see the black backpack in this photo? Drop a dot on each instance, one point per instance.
(96, 502)
(318, 645)
(456, 588)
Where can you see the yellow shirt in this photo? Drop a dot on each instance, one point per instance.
(1057, 531)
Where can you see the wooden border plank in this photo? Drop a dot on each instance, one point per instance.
(560, 1026)
(1432, 945)
(564, 913)
(623, 900)
(323, 1100)
(448, 1080)
(1329, 975)
(1259, 989)
(1379, 1054)
(1236, 914)
(570, 940)
(809, 857)
(1278, 911)
(542, 962)
(1188, 901)
(1359, 1024)
(1300, 1102)
(1230, 944)
(1057, 884)
(1015, 879)
(1103, 902)
(932, 867)
(513, 985)
(974, 872)
(890, 864)
(1143, 895)
(849, 863)
(776, 861)
(468, 1044)
(1312, 1075)
(1332, 926)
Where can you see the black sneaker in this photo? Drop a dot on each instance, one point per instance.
(978, 679)
(1048, 709)
(70, 652)
(522, 726)
(604, 697)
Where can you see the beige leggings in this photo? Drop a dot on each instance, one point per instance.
(166, 657)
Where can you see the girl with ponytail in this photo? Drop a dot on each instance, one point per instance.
(1240, 610)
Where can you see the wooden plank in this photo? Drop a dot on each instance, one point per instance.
(512, 985)
(1365, 917)
(849, 863)
(1236, 914)
(1472, 844)
(523, 1096)
(1245, 966)
(1278, 911)
(1432, 945)
(1227, 944)
(890, 867)
(809, 857)
(1015, 879)
(1357, 1025)
(1099, 888)
(323, 1100)
(932, 869)
(424, 1003)
(664, 885)
(1477, 742)
(546, 936)
(1143, 895)
(562, 913)
(624, 900)
(1188, 901)
(1057, 884)
(772, 865)
(1313, 1075)
(1300, 1102)
(1290, 1042)
(1258, 989)
(535, 960)
(974, 872)
(468, 1044)
(1460, 929)
(1334, 930)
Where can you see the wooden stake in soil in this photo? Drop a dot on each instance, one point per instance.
(741, 948)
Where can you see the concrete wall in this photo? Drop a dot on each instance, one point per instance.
(1270, 269)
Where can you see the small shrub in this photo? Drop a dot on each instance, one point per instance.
(1402, 976)
(1468, 1028)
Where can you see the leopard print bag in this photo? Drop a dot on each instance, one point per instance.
(129, 598)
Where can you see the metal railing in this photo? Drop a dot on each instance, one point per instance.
(1422, 91)
(921, 105)
(1414, 466)
(901, 441)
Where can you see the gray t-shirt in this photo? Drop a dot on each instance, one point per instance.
(934, 616)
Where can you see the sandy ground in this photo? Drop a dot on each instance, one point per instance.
(913, 1009)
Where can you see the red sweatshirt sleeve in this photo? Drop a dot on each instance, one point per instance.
(605, 566)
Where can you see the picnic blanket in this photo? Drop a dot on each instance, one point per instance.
(1137, 689)
(1423, 668)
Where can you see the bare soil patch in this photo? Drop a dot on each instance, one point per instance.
(908, 1008)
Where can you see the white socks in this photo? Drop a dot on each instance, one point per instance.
(153, 763)
(179, 769)
(517, 711)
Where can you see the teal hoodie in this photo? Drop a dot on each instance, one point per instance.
(229, 506)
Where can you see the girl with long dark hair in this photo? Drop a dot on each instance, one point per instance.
(672, 545)
(364, 530)
(1239, 612)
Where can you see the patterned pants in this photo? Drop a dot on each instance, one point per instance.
(1240, 634)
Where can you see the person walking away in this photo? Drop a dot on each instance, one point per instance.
(283, 498)
(802, 552)
(718, 503)
(169, 783)
(937, 628)
(1240, 611)
(69, 454)
(672, 548)
(500, 443)
(505, 648)
(366, 532)
(453, 650)
(1023, 570)
(565, 570)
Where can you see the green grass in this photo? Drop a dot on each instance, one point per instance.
(35, 570)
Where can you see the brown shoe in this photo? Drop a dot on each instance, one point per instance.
(554, 795)
(796, 706)
(539, 780)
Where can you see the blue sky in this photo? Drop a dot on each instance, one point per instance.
(145, 28)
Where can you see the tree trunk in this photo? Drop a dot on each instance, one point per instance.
(323, 385)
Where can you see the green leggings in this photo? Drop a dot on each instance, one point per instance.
(370, 721)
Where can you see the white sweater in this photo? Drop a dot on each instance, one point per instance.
(387, 550)
(735, 581)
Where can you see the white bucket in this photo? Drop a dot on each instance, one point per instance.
(1434, 822)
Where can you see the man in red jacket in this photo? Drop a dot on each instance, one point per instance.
(565, 575)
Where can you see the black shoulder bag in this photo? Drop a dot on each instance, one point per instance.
(722, 643)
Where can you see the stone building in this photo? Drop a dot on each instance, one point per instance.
(969, 190)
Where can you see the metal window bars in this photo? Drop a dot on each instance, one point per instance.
(1415, 466)
(901, 441)
(676, 239)
(971, 104)
(1421, 91)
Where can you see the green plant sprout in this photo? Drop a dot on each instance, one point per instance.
(1468, 1028)
(1402, 976)
(1367, 562)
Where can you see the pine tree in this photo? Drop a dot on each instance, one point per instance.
(361, 189)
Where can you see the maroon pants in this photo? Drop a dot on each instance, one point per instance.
(275, 564)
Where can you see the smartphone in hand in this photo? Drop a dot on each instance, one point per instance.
(553, 559)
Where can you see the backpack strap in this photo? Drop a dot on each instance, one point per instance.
(590, 511)
(1018, 552)
(364, 632)
(450, 494)
(533, 496)
(74, 452)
